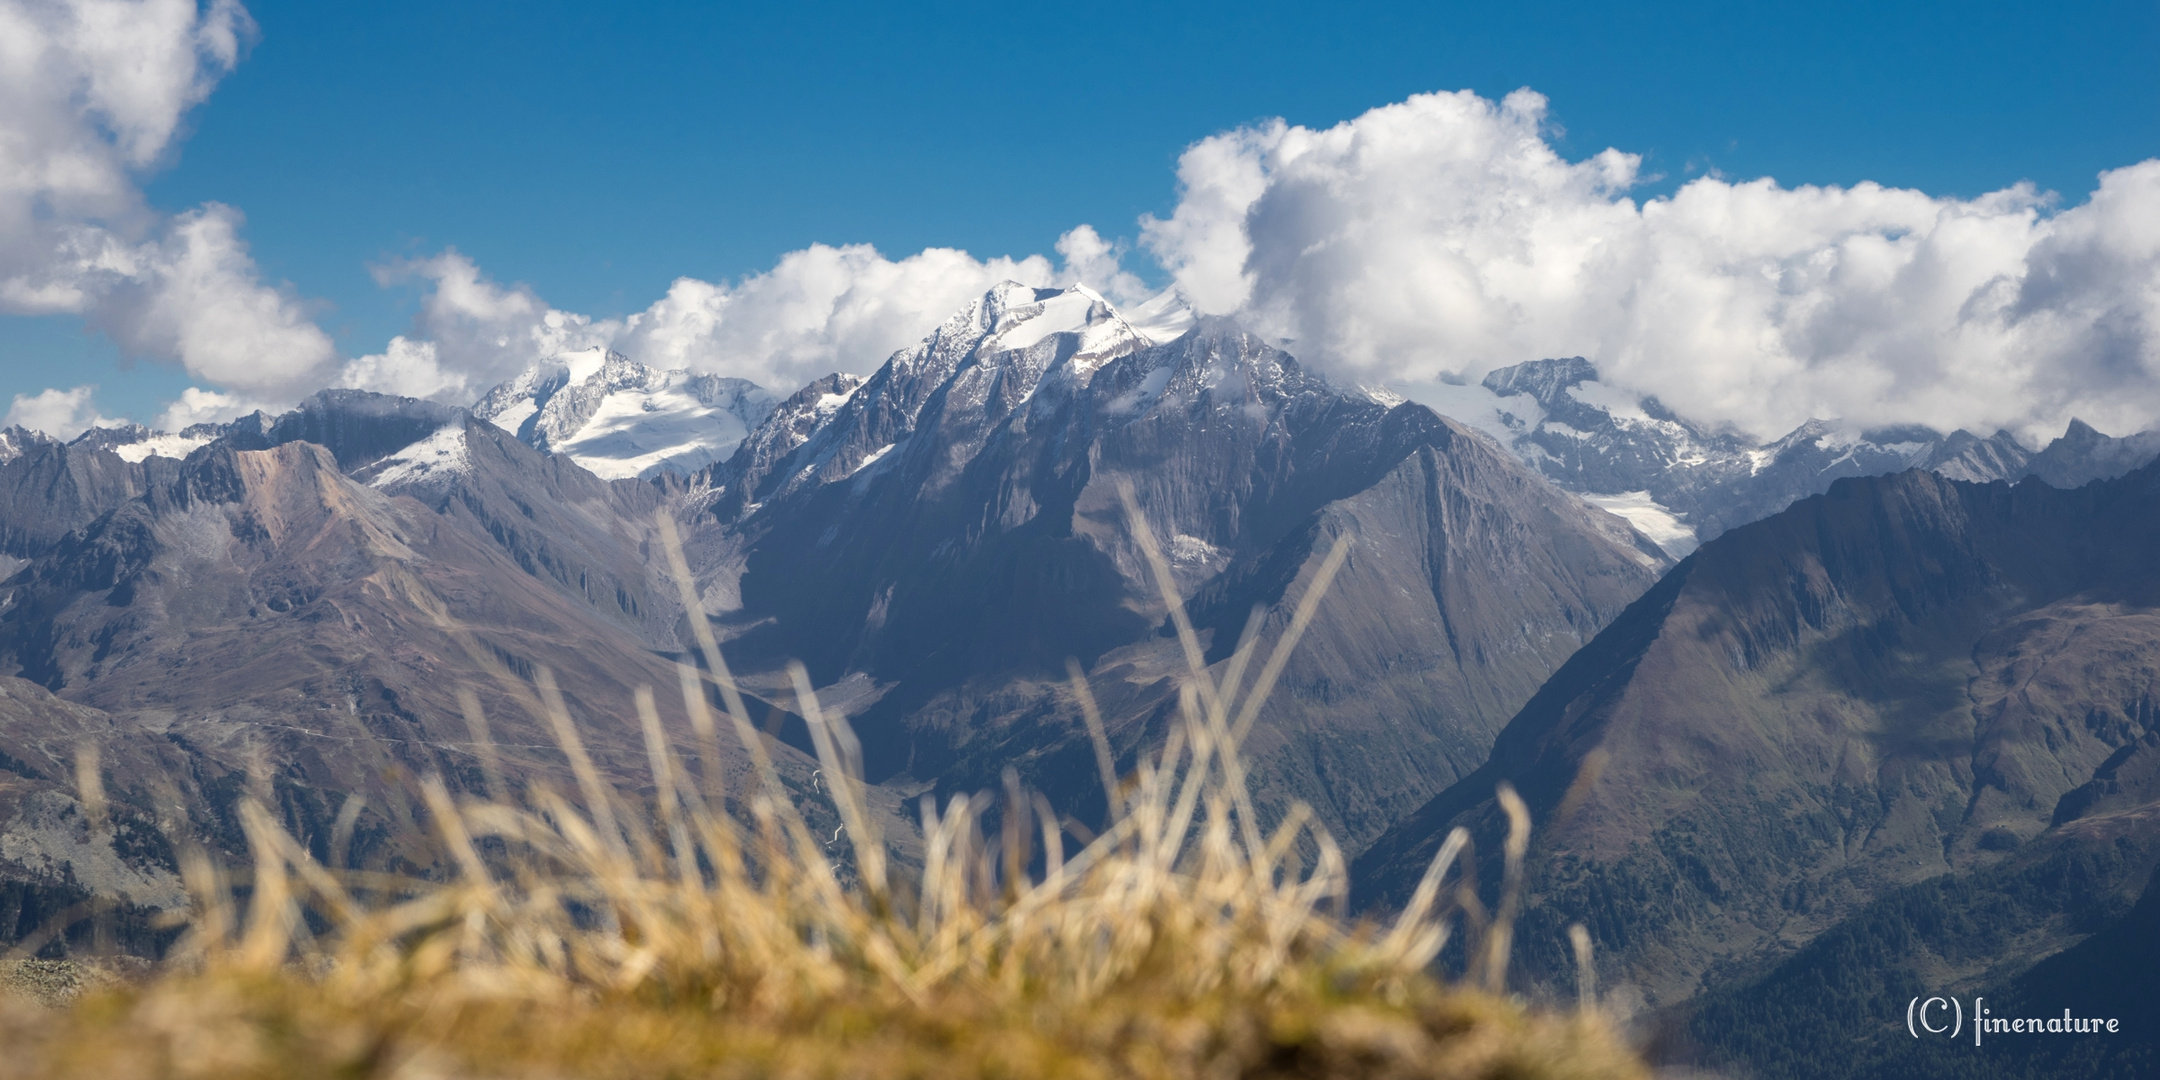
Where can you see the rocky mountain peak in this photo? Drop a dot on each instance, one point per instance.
(358, 427)
(944, 535)
(2081, 435)
(986, 360)
(1543, 380)
(2084, 454)
(135, 442)
(16, 440)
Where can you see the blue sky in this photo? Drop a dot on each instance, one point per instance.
(595, 152)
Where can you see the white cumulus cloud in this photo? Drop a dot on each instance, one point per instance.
(62, 414)
(92, 95)
(196, 405)
(819, 310)
(1444, 236)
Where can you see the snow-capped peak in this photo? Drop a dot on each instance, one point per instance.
(586, 363)
(985, 361)
(1021, 319)
(1072, 311)
(1162, 318)
(620, 418)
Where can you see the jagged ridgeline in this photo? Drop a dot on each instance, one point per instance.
(1686, 482)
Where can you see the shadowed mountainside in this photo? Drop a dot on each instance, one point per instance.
(936, 541)
(1905, 678)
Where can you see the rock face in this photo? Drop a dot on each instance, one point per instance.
(589, 538)
(55, 853)
(1684, 483)
(48, 489)
(264, 613)
(935, 542)
(1903, 678)
(619, 418)
(261, 593)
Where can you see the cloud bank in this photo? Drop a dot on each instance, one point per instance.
(1444, 236)
(819, 310)
(1433, 239)
(93, 94)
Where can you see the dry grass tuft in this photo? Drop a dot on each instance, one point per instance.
(1182, 942)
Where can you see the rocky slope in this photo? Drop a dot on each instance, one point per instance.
(1904, 678)
(49, 489)
(58, 855)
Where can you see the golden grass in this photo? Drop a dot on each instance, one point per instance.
(1181, 942)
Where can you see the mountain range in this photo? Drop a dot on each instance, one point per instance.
(1684, 482)
(1763, 698)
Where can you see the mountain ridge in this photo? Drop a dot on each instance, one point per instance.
(943, 535)
(1690, 482)
(1904, 677)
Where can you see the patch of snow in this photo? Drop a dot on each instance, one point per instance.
(1069, 312)
(513, 416)
(439, 457)
(1161, 318)
(1650, 518)
(637, 434)
(619, 418)
(585, 363)
(1192, 549)
(1149, 388)
(873, 458)
(161, 445)
(1617, 403)
(1027, 319)
(1155, 381)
